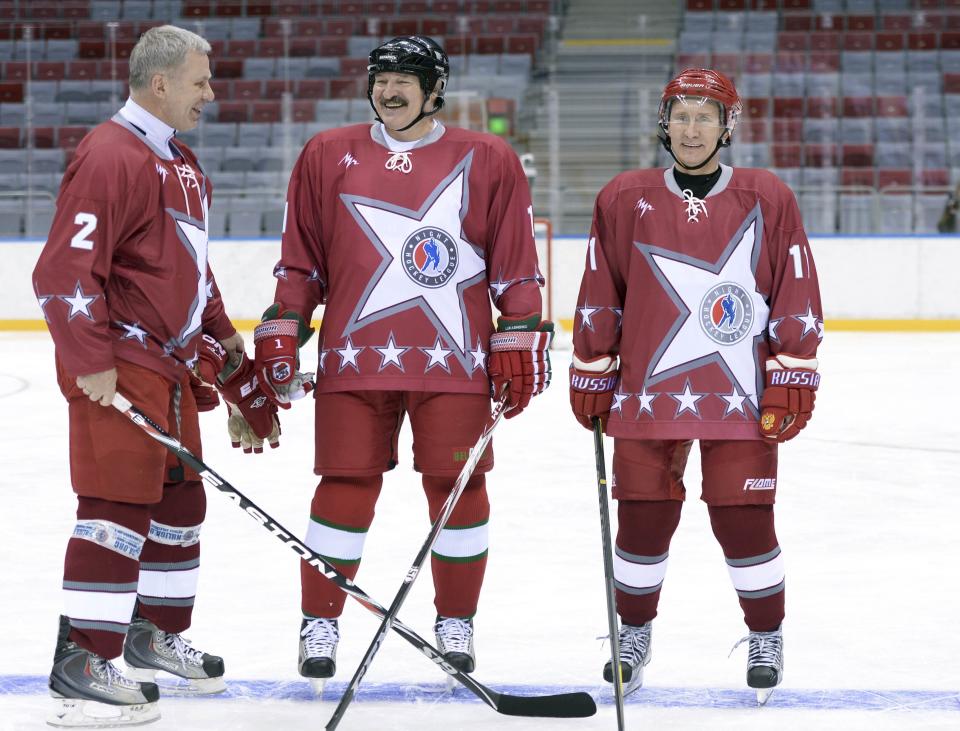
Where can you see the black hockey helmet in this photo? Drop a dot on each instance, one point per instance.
(418, 55)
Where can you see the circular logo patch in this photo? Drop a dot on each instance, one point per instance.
(726, 313)
(430, 257)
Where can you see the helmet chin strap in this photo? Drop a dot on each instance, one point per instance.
(423, 115)
(664, 138)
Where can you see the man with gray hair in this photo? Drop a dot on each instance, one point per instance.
(132, 306)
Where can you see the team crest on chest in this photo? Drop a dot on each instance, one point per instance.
(430, 257)
(726, 313)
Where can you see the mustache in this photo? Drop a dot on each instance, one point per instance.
(393, 100)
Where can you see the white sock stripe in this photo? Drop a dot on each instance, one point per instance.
(171, 535)
(333, 542)
(639, 575)
(112, 536)
(759, 576)
(168, 583)
(462, 542)
(99, 606)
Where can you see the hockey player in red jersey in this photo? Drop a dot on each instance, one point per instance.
(405, 229)
(132, 306)
(698, 318)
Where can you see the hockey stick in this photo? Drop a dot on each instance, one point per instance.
(562, 705)
(458, 487)
(607, 541)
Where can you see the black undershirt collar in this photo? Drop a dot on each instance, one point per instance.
(699, 185)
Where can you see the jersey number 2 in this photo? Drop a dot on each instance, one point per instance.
(87, 223)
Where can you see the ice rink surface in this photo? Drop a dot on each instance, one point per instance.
(867, 514)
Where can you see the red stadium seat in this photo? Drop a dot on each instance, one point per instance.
(490, 44)
(353, 67)
(788, 130)
(434, 27)
(57, 30)
(950, 39)
(70, 136)
(824, 62)
(268, 111)
(305, 47)
(340, 27)
(304, 110)
(727, 63)
(83, 69)
(858, 106)
(790, 62)
(697, 6)
(789, 107)
(786, 156)
(757, 108)
(821, 107)
(447, 7)
(259, 9)
(459, 45)
(937, 177)
(693, 61)
(753, 130)
(413, 7)
(922, 41)
(828, 21)
(860, 177)
(754, 63)
(227, 68)
(892, 106)
(858, 41)
(404, 27)
(889, 177)
(196, 9)
(731, 4)
(9, 137)
(328, 46)
(91, 49)
(247, 89)
(891, 22)
(381, 7)
(522, 44)
(535, 24)
(347, 88)
(825, 42)
(233, 112)
(50, 70)
(855, 156)
(820, 156)
(793, 22)
(274, 88)
(499, 26)
(312, 89)
(890, 41)
(860, 23)
(795, 41)
(11, 92)
(241, 49)
(222, 89)
(16, 71)
(270, 47)
(229, 9)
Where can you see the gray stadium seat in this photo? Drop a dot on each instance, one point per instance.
(889, 62)
(259, 68)
(210, 159)
(218, 134)
(332, 110)
(270, 160)
(518, 64)
(105, 10)
(856, 62)
(217, 221)
(13, 162)
(105, 90)
(136, 10)
(755, 85)
(74, 91)
(38, 219)
(273, 221)
(893, 129)
(929, 210)
(322, 67)
(760, 21)
(227, 181)
(238, 159)
(856, 130)
(819, 212)
(821, 131)
(253, 134)
(11, 217)
(892, 84)
(822, 85)
(855, 84)
(266, 182)
(483, 64)
(245, 29)
(83, 113)
(896, 213)
(12, 115)
(759, 41)
(44, 91)
(894, 155)
(47, 161)
(928, 60)
(789, 84)
(62, 49)
(790, 176)
(858, 214)
(49, 114)
(246, 217)
(820, 177)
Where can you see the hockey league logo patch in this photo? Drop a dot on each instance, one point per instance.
(726, 313)
(280, 372)
(430, 257)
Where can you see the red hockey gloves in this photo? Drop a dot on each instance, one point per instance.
(520, 359)
(205, 396)
(592, 383)
(211, 358)
(248, 404)
(787, 402)
(277, 341)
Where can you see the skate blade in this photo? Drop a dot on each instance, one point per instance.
(318, 684)
(174, 685)
(763, 695)
(77, 713)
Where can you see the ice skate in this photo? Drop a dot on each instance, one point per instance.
(455, 642)
(635, 653)
(90, 692)
(148, 650)
(318, 651)
(764, 662)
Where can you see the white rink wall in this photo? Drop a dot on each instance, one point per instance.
(861, 278)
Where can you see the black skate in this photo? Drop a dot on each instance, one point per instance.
(318, 651)
(635, 653)
(148, 650)
(764, 662)
(91, 693)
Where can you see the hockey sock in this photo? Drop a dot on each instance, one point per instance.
(170, 562)
(640, 556)
(340, 516)
(459, 557)
(749, 541)
(100, 572)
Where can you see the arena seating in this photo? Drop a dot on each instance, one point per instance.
(70, 59)
(852, 102)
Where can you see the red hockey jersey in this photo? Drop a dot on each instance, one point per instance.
(693, 296)
(406, 250)
(124, 272)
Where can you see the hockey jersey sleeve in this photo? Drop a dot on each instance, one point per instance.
(512, 268)
(596, 323)
(215, 320)
(796, 316)
(101, 203)
(301, 272)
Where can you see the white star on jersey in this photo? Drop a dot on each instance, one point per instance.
(734, 402)
(133, 331)
(687, 400)
(618, 398)
(391, 289)
(687, 281)
(79, 303)
(390, 353)
(348, 356)
(479, 358)
(646, 401)
(438, 356)
(809, 321)
(586, 315)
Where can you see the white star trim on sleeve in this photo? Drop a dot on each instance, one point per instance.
(321, 358)
(687, 400)
(42, 300)
(390, 354)
(280, 272)
(348, 356)
(586, 315)
(772, 329)
(499, 286)
(618, 311)
(479, 358)
(820, 329)
(734, 402)
(133, 331)
(437, 356)
(79, 303)
(809, 321)
(209, 289)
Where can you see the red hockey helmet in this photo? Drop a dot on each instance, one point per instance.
(703, 84)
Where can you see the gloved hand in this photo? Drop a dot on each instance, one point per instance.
(787, 401)
(241, 390)
(277, 341)
(519, 356)
(205, 396)
(211, 358)
(592, 383)
(243, 436)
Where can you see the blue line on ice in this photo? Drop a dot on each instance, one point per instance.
(785, 698)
